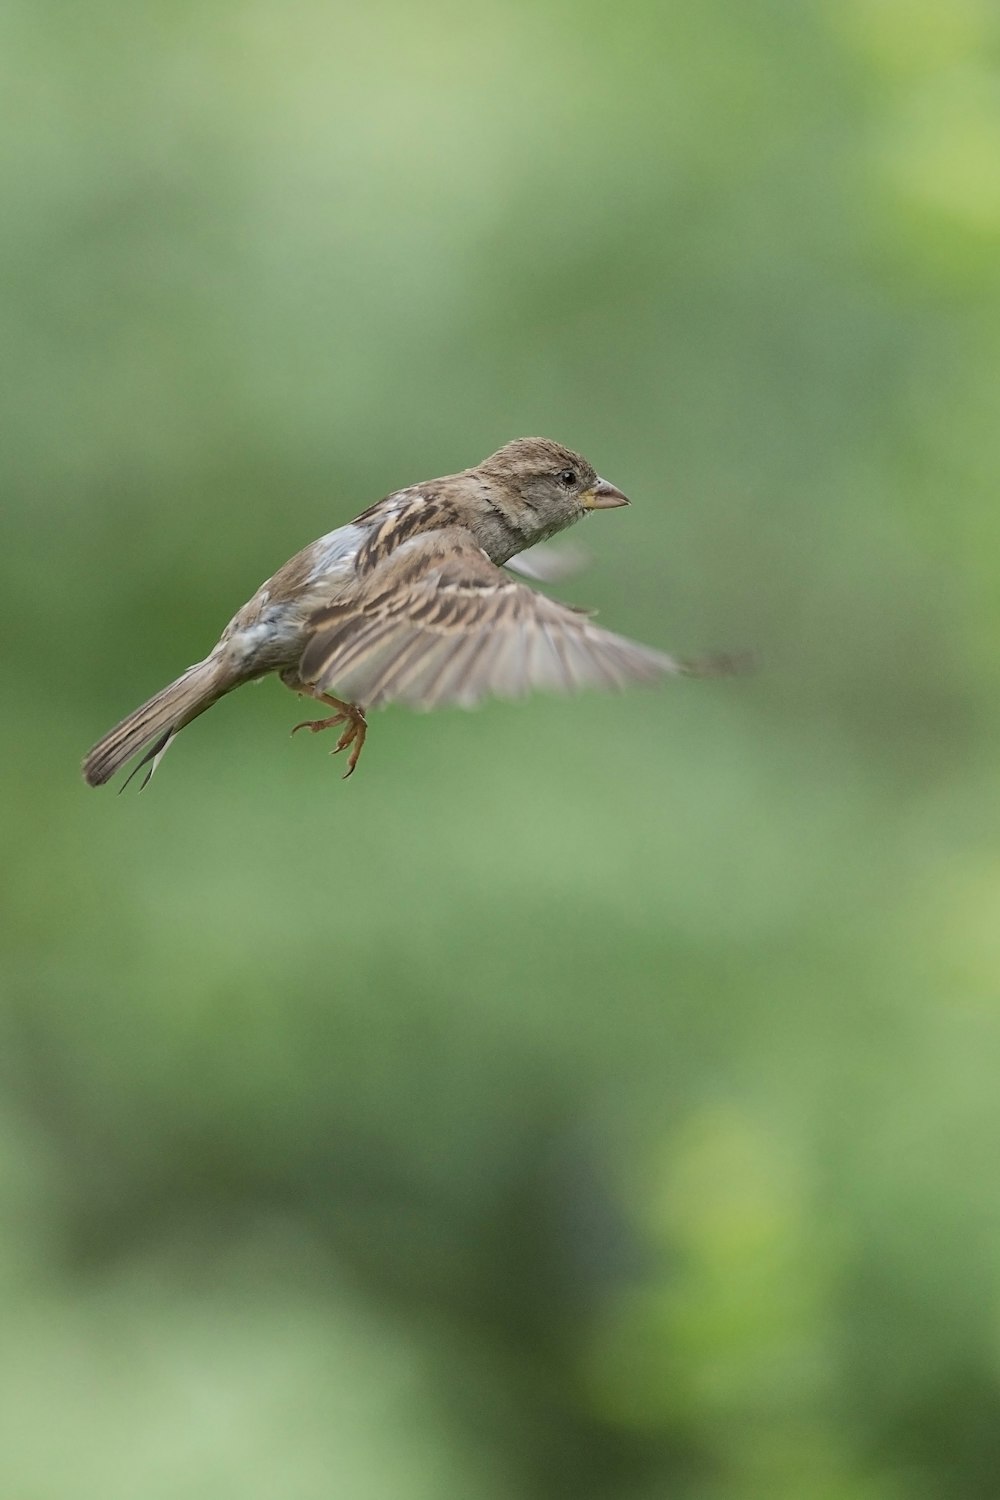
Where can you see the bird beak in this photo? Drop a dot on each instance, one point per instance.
(603, 496)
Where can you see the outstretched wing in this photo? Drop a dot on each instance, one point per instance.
(437, 622)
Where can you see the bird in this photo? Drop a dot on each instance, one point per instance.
(412, 603)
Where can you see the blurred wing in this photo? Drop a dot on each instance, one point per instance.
(549, 562)
(438, 623)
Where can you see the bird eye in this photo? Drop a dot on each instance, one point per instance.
(567, 477)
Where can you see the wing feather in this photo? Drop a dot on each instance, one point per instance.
(437, 622)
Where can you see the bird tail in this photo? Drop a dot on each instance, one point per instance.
(159, 721)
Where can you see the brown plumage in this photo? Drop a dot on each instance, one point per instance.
(167, 711)
(438, 623)
(409, 603)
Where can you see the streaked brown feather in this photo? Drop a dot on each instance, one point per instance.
(437, 622)
(401, 516)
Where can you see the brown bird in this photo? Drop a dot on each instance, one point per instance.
(409, 604)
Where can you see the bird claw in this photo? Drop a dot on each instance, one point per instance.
(353, 735)
(315, 725)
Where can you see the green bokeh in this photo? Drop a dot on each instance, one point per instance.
(595, 1098)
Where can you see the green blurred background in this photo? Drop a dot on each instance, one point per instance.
(592, 1098)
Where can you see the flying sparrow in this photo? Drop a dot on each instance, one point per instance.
(409, 603)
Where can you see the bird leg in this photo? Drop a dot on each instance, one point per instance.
(353, 735)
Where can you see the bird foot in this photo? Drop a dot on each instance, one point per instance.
(353, 735)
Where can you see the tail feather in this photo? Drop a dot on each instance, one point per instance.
(160, 719)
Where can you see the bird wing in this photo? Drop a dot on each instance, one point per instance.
(437, 622)
(549, 562)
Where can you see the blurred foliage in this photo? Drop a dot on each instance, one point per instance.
(590, 1099)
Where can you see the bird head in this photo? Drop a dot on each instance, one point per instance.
(541, 487)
